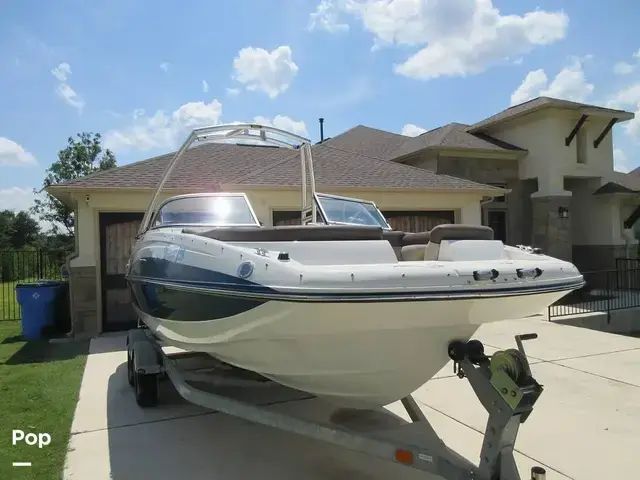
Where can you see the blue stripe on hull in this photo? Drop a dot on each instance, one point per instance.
(173, 275)
(187, 306)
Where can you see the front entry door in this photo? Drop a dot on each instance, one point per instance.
(497, 220)
(117, 236)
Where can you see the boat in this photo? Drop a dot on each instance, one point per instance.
(341, 306)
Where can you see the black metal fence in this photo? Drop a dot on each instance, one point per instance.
(20, 266)
(604, 291)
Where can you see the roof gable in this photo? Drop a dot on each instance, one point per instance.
(368, 141)
(453, 135)
(544, 102)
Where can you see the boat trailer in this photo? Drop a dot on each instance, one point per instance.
(502, 382)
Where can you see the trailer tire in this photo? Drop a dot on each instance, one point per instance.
(146, 388)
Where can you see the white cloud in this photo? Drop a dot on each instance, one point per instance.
(167, 131)
(411, 130)
(326, 17)
(534, 82)
(164, 66)
(636, 54)
(16, 198)
(569, 84)
(284, 123)
(456, 37)
(621, 161)
(62, 73)
(269, 72)
(13, 154)
(205, 86)
(623, 68)
(233, 92)
(163, 131)
(629, 98)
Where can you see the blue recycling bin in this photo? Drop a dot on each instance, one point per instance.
(37, 306)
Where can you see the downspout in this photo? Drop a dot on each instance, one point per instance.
(72, 256)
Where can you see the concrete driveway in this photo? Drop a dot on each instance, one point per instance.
(585, 426)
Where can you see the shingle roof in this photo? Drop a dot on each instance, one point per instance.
(210, 165)
(201, 167)
(634, 173)
(541, 102)
(334, 167)
(368, 141)
(453, 135)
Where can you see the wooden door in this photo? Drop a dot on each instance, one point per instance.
(117, 236)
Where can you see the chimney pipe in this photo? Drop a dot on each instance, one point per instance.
(321, 129)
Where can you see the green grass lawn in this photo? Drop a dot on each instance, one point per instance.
(39, 385)
(9, 308)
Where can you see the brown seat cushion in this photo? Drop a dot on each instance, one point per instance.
(289, 233)
(421, 238)
(394, 237)
(460, 232)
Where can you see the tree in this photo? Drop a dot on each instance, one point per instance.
(82, 155)
(17, 230)
(26, 230)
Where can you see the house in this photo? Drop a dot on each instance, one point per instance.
(109, 206)
(555, 157)
(538, 173)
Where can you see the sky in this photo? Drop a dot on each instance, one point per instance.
(143, 74)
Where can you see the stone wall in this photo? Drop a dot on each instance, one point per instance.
(84, 302)
(549, 231)
(604, 257)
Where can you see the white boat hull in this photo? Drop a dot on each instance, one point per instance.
(358, 354)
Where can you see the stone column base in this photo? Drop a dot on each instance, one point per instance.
(84, 302)
(549, 231)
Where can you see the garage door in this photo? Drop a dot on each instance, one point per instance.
(117, 236)
(418, 221)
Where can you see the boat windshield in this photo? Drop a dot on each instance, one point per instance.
(351, 211)
(207, 210)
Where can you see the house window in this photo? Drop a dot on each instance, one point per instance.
(581, 146)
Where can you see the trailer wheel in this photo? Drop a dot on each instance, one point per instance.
(146, 388)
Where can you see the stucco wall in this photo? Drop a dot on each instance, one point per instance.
(549, 159)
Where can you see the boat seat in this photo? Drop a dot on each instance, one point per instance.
(394, 237)
(290, 233)
(413, 253)
(454, 232)
(426, 245)
(421, 238)
(460, 232)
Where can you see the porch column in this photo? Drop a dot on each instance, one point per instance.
(551, 217)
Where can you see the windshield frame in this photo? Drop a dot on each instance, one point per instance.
(317, 196)
(256, 221)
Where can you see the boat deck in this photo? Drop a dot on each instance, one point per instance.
(584, 426)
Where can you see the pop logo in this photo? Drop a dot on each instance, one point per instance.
(31, 439)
